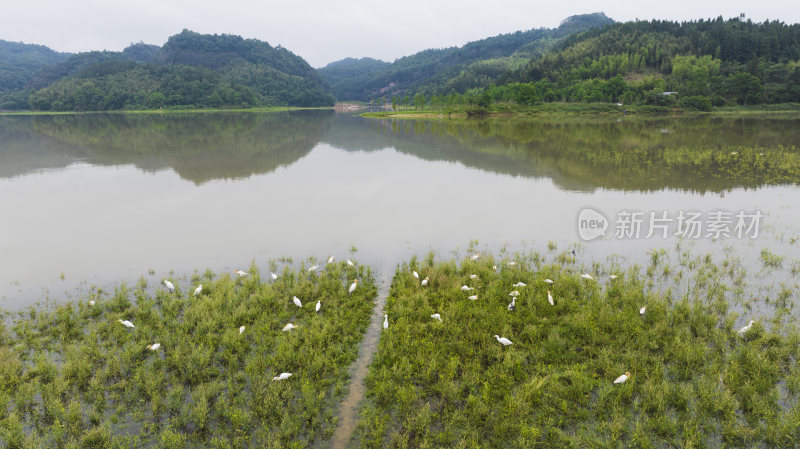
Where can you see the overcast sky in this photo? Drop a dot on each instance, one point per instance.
(322, 31)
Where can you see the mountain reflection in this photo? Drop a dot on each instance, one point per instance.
(697, 153)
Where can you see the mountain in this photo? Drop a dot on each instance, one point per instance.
(190, 70)
(19, 63)
(437, 71)
(697, 64)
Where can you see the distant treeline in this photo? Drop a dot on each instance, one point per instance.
(693, 65)
(190, 71)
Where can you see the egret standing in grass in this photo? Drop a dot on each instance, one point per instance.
(296, 301)
(415, 274)
(126, 323)
(473, 297)
(283, 376)
(643, 310)
(154, 347)
(622, 378)
(475, 257)
(587, 276)
(91, 303)
(550, 298)
(520, 284)
(319, 304)
(170, 285)
(330, 259)
(288, 327)
(436, 316)
(313, 268)
(514, 293)
(466, 288)
(350, 262)
(274, 276)
(198, 290)
(353, 286)
(240, 273)
(241, 329)
(548, 281)
(386, 321)
(473, 276)
(613, 276)
(503, 340)
(744, 330)
(513, 304)
(425, 281)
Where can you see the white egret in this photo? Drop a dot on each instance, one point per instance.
(473, 297)
(622, 378)
(744, 330)
(415, 274)
(520, 284)
(466, 288)
(503, 340)
(126, 323)
(288, 327)
(91, 303)
(154, 346)
(240, 273)
(198, 290)
(511, 264)
(283, 376)
(514, 293)
(513, 304)
(436, 316)
(274, 276)
(473, 276)
(296, 301)
(550, 298)
(350, 262)
(330, 259)
(353, 286)
(642, 310)
(313, 268)
(241, 329)
(587, 276)
(319, 304)
(494, 267)
(613, 276)
(386, 321)
(475, 257)
(548, 281)
(170, 285)
(425, 281)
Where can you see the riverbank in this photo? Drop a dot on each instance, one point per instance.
(584, 109)
(163, 111)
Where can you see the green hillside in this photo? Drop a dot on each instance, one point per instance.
(690, 64)
(436, 71)
(191, 70)
(19, 63)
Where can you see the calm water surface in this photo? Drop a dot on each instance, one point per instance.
(92, 200)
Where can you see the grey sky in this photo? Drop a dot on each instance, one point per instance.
(322, 31)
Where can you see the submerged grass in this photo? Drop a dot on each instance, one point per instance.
(694, 380)
(73, 376)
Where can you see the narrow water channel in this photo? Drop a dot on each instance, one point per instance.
(348, 409)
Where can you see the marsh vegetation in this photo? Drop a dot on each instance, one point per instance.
(197, 368)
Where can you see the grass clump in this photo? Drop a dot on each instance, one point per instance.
(72, 375)
(694, 380)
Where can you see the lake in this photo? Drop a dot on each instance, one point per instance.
(92, 200)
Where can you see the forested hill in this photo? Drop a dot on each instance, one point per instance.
(19, 63)
(692, 64)
(190, 70)
(437, 71)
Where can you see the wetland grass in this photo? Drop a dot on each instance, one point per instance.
(72, 376)
(694, 380)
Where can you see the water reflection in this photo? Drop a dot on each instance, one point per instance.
(198, 147)
(701, 154)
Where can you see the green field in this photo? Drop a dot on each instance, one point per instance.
(73, 376)
(694, 380)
